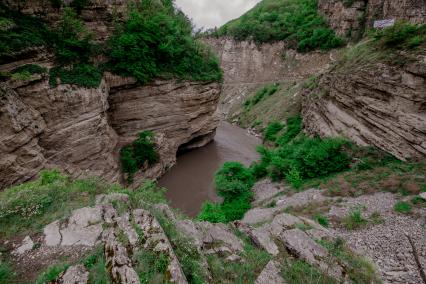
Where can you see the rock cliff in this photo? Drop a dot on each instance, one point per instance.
(349, 20)
(379, 104)
(248, 66)
(81, 130)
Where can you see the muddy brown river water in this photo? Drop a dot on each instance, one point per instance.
(190, 182)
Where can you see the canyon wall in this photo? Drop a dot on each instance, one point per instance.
(380, 105)
(349, 20)
(248, 66)
(80, 130)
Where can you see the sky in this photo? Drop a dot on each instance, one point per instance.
(214, 13)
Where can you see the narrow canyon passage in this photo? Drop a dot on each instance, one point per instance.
(190, 182)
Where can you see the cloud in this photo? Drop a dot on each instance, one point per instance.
(214, 13)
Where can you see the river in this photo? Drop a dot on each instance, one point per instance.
(190, 182)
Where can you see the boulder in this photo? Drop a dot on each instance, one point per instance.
(76, 274)
(258, 215)
(270, 274)
(26, 245)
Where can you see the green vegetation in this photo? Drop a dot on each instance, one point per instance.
(278, 106)
(322, 220)
(96, 265)
(186, 252)
(233, 182)
(261, 94)
(51, 273)
(85, 75)
(300, 272)
(140, 153)
(25, 72)
(151, 267)
(271, 131)
(27, 208)
(302, 158)
(18, 32)
(354, 220)
(398, 45)
(239, 272)
(6, 273)
(156, 41)
(296, 21)
(403, 207)
(358, 268)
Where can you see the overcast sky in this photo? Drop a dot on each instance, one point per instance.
(212, 13)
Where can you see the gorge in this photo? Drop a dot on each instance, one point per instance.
(287, 146)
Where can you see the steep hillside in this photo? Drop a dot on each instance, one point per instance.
(376, 94)
(62, 107)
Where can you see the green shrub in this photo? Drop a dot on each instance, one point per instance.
(151, 267)
(30, 68)
(301, 272)
(19, 32)
(84, 75)
(51, 273)
(402, 207)
(261, 94)
(212, 212)
(6, 273)
(271, 131)
(402, 35)
(354, 220)
(296, 21)
(147, 193)
(322, 220)
(72, 40)
(156, 40)
(293, 128)
(140, 153)
(310, 157)
(96, 265)
(233, 181)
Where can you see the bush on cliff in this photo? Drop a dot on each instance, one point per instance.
(299, 158)
(233, 182)
(139, 154)
(296, 21)
(156, 40)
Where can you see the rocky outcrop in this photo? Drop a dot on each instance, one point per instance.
(248, 66)
(80, 130)
(379, 104)
(349, 19)
(181, 114)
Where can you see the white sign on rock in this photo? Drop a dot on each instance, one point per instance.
(384, 23)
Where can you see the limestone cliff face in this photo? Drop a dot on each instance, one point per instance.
(380, 105)
(350, 20)
(248, 66)
(80, 131)
(182, 114)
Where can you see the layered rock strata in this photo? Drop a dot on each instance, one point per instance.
(248, 66)
(80, 130)
(379, 104)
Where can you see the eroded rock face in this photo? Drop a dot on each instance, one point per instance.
(248, 66)
(80, 130)
(178, 113)
(380, 105)
(350, 20)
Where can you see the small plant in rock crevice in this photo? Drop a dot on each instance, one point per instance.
(139, 154)
(403, 207)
